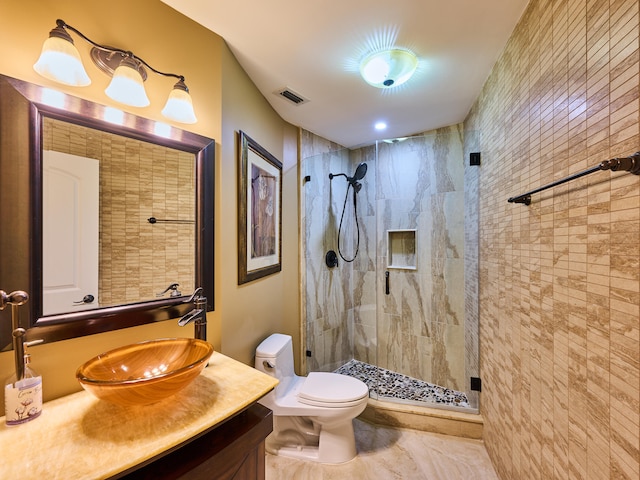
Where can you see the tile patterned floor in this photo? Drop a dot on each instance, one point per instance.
(385, 383)
(387, 453)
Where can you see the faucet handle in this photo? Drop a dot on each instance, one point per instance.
(174, 291)
(195, 295)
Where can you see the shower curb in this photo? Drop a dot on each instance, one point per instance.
(435, 420)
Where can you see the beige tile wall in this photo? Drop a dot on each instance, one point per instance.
(137, 180)
(560, 279)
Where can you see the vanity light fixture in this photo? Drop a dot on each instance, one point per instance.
(388, 68)
(60, 62)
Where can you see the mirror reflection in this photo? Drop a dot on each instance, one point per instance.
(145, 170)
(100, 191)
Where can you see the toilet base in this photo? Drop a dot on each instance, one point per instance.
(310, 439)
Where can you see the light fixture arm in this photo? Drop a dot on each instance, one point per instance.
(65, 26)
(125, 53)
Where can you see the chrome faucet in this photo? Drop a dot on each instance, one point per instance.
(198, 315)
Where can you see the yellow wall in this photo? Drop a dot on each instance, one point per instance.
(169, 42)
(255, 310)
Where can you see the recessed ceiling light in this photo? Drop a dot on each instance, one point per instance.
(380, 126)
(388, 68)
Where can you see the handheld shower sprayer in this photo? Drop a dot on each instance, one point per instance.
(354, 181)
(360, 172)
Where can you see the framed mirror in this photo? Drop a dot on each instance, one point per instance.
(146, 223)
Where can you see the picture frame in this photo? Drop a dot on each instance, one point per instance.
(259, 211)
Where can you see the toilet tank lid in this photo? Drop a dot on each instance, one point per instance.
(272, 345)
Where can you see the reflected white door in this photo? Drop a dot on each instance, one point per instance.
(70, 213)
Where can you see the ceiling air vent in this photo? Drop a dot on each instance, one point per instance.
(291, 96)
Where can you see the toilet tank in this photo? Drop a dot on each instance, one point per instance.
(274, 356)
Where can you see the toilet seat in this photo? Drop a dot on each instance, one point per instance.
(332, 390)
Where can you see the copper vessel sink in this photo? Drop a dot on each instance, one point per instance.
(146, 372)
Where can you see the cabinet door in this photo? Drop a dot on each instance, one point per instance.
(232, 451)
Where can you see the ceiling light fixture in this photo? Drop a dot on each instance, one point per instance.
(60, 62)
(388, 68)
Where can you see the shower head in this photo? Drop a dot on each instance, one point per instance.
(361, 171)
(359, 174)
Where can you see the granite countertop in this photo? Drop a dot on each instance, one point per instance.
(81, 437)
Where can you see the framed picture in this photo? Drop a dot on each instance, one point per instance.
(259, 211)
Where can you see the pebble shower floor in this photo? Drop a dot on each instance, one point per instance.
(385, 383)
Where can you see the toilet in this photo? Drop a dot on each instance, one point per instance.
(312, 416)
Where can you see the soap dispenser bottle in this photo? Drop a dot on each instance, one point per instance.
(23, 390)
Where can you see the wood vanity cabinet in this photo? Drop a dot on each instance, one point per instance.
(233, 450)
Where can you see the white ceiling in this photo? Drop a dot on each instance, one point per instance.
(314, 48)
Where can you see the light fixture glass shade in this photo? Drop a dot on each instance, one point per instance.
(388, 68)
(126, 85)
(179, 106)
(60, 62)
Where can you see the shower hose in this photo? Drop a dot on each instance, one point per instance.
(355, 214)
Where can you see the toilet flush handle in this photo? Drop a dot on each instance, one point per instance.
(268, 365)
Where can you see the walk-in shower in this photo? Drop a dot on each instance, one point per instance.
(400, 325)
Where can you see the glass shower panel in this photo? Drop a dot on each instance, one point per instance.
(421, 313)
(327, 291)
(394, 316)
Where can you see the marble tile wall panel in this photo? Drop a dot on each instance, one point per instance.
(137, 181)
(365, 316)
(327, 297)
(365, 272)
(559, 282)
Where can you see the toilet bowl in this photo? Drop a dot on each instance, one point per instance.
(312, 416)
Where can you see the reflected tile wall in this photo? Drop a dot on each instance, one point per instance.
(138, 180)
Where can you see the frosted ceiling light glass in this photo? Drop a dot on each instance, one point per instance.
(388, 68)
(126, 85)
(60, 61)
(179, 106)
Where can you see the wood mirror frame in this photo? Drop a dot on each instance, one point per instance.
(22, 108)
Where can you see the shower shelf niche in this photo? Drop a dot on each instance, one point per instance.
(402, 249)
